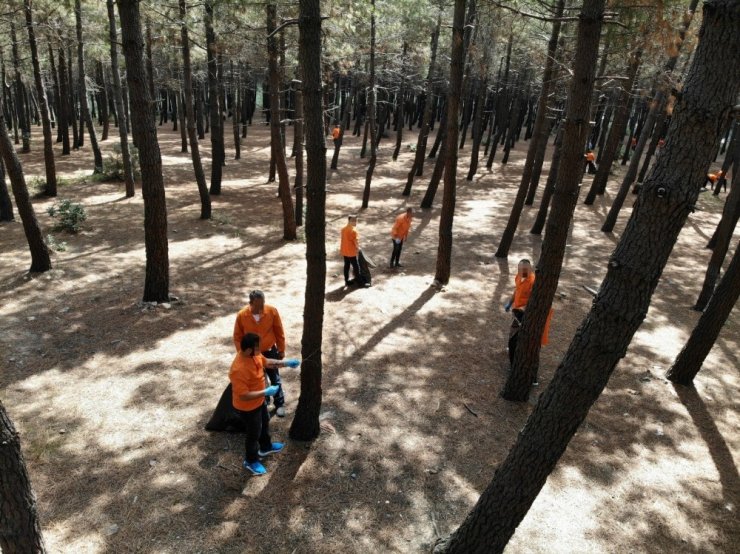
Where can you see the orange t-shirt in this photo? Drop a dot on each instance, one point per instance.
(247, 374)
(590, 157)
(713, 177)
(349, 245)
(335, 133)
(522, 291)
(401, 227)
(269, 328)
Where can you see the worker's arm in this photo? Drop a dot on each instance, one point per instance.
(238, 334)
(291, 362)
(251, 395)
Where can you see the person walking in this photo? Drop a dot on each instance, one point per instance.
(399, 234)
(349, 247)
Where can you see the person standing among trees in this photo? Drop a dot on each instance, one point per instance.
(590, 158)
(349, 247)
(264, 321)
(336, 132)
(399, 234)
(524, 281)
(249, 389)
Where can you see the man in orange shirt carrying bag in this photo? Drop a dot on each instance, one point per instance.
(399, 234)
(264, 321)
(349, 247)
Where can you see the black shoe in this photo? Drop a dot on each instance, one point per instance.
(398, 264)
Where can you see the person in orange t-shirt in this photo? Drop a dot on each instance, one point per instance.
(712, 178)
(336, 132)
(249, 388)
(524, 282)
(590, 158)
(349, 247)
(264, 321)
(399, 234)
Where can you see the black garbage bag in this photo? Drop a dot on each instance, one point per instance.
(224, 417)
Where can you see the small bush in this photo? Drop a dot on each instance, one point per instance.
(113, 164)
(69, 215)
(56, 245)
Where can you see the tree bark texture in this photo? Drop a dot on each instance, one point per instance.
(6, 204)
(144, 131)
(215, 105)
(305, 425)
(371, 114)
(84, 108)
(619, 308)
(298, 143)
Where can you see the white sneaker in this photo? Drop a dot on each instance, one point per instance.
(280, 412)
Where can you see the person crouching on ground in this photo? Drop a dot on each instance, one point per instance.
(249, 389)
(399, 234)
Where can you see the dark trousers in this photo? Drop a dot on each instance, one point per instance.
(274, 375)
(591, 168)
(257, 424)
(351, 261)
(396, 255)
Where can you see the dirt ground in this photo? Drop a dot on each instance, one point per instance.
(111, 398)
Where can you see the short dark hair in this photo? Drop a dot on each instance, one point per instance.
(409, 210)
(351, 217)
(250, 340)
(525, 261)
(255, 294)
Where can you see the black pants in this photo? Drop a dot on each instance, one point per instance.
(591, 168)
(516, 325)
(257, 424)
(274, 374)
(351, 261)
(396, 255)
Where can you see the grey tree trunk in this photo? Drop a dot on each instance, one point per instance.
(84, 108)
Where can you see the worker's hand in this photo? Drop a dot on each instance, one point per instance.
(292, 362)
(397, 241)
(281, 355)
(507, 306)
(272, 391)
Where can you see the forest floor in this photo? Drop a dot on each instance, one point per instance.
(111, 397)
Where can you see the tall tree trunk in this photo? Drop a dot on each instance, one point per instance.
(77, 132)
(183, 124)
(276, 146)
(457, 59)
(298, 144)
(421, 142)
(236, 113)
(19, 519)
(128, 172)
(150, 67)
(156, 285)
(624, 297)
(471, 31)
(732, 158)
(63, 103)
(343, 129)
(657, 106)
(305, 425)
(20, 96)
(400, 104)
(58, 104)
(85, 111)
(40, 260)
(103, 102)
(724, 236)
(200, 178)
(616, 133)
(541, 129)
(51, 173)
(552, 178)
(692, 356)
(217, 135)
(570, 172)
(6, 204)
(371, 115)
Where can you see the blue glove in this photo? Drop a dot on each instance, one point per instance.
(507, 306)
(292, 362)
(272, 391)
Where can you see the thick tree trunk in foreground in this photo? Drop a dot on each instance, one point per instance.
(565, 196)
(692, 356)
(732, 158)
(200, 176)
(20, 529)
(724, 236)
(40, 260)
(6, 204)
(156, 284)
(371, 114)
(421, 142)
(634, 270)
(457, 58)
(84, 109)
(305, 425)
(128, 172)
(298, 148)
(276, 144)
(51, 173)
(215, 105)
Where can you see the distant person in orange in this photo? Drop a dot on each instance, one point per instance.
(524, 281)
(712, 178)
(590, 158)
(336, 132)
(399, 234)
(249, 389)
(349, 247)
(264, 321)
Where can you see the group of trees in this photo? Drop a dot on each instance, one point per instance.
(632, 83)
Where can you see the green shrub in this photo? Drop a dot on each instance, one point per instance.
(69, 215)
(113, 164)
(56, 245)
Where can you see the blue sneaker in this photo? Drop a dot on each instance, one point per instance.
(274, 448)
(255, 468)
